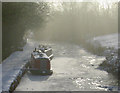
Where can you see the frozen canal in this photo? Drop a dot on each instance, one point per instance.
(74, 69)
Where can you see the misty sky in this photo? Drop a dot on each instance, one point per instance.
(58, 0)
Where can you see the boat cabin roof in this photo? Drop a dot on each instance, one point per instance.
(38, 55)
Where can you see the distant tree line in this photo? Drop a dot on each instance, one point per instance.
(78, 22)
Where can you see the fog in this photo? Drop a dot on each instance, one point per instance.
(73, 22)
(78, 21)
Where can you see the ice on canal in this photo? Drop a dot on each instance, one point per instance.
(74, 69)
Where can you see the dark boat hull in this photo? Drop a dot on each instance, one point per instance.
(41, 72)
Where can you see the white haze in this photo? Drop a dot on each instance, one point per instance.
(76, 22)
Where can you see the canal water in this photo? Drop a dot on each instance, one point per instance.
(74, 69)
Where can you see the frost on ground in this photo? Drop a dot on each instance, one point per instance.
(108, 41)
(110, 45)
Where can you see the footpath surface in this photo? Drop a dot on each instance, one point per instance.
(13, 68)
